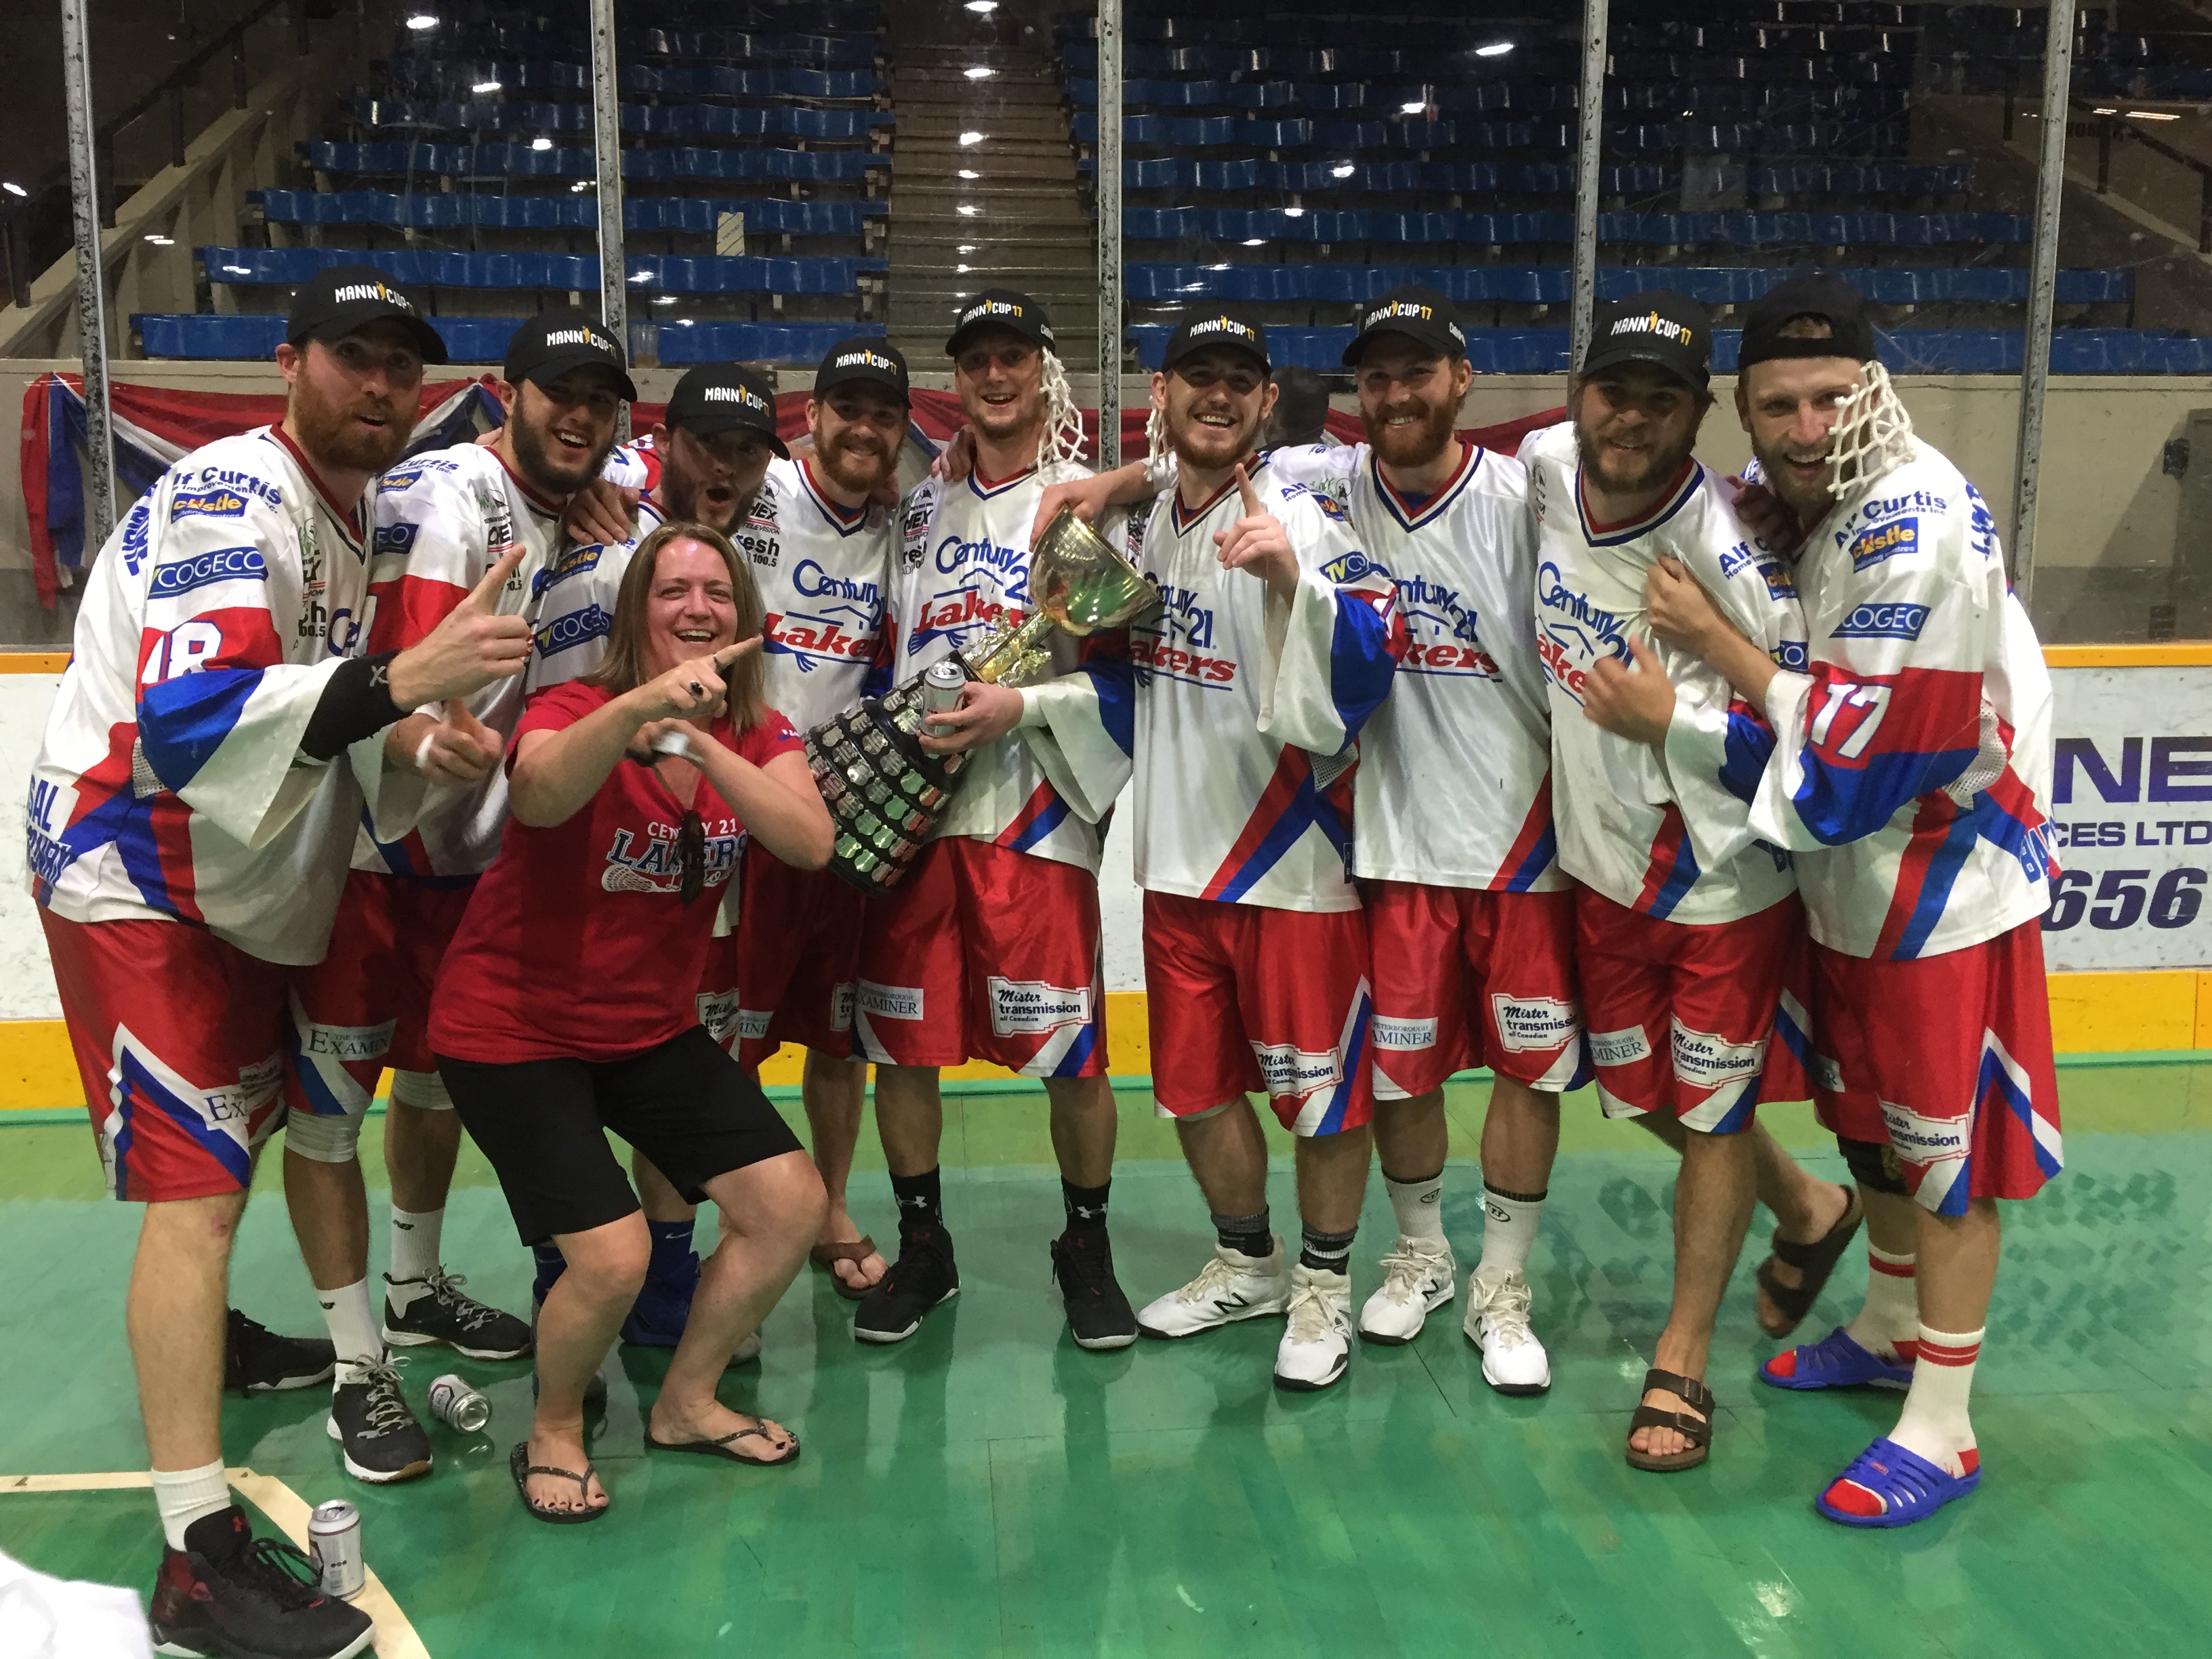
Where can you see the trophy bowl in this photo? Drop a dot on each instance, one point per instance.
(1077, 579)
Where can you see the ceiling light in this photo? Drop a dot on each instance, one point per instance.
(970, 173)
(663, 299)
(13, 189)
(240, 271)
(685, 321)
(1342, 170)
(1498, 50)
(2150, 115)
(1256, 241)
(541, 143)
(420, 21)
(967, 138)
(965, 248)
(641, 277)
(978, 73)
(162, 241)
(968, 209)
(485, 86)
(982, 7)
(580, 187)
(1413, 108)
(1294, 213)
(1219, 267)
(961, 294)
(960, 270)
(2104, 111)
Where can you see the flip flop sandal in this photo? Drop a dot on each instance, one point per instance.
(1836, 1361)
(1814, 1263)
(1907, 1485)
(1698, 1430)
(522, 1468)
(723, 1447)
(827, 1257)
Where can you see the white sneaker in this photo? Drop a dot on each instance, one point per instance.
(1419, 1276)
(1317, 1345)
(1513, 1360)
(1230, 1287)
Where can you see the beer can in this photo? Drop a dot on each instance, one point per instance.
(460, 1405)
(334, 1546)
(941, 684)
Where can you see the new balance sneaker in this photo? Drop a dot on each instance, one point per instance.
(1097, 1310)
(923, 1276)
(231, 1594)
(1419, 1276)
(1513, 1360)
(256, 1360)
(437, 1311)
(1230, 1287)
(1317, 1345)
(370, 1420)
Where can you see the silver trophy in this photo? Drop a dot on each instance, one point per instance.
(884, 793)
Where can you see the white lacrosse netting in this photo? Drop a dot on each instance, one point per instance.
(1156, 435)
(1873, 434)
(1063, 422)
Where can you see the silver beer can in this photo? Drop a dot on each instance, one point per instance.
(941, 684)
(334, 1546)
(459, 1404)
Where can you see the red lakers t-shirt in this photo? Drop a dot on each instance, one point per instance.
(576, 943)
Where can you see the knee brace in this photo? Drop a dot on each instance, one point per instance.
(328, 1138)
(423, 1090)
(1873, 1165)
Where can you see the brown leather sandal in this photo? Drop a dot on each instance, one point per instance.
(827, 1257)
(1814, 1262)
(1698, 1430)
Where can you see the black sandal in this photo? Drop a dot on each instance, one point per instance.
(522, 1468)
(1814, 1263)
(726, 1447)
(1698, 1430)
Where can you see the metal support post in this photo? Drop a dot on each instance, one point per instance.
(91, 299)
(1591, 107)
(2042, 287)
(1108, 178)
(606, 160)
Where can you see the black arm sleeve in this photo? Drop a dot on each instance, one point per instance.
(355, 704)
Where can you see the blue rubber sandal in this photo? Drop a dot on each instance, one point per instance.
(1910, 1487)
(1836, 1361)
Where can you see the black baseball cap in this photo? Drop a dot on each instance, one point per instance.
(1227, 328)
(555, 341)
(334, 302)
(863, 357)
(724, 398)
(1421, 314)
(1661, 327)
(1831, 299)
(1006, 308)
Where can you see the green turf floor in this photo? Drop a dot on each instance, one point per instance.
(989, 1489)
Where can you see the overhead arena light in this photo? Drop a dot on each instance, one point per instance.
(1342, 170)
(240, 271)
(1256, 241)
(663, 299)
(965, 248)
(968, 138)
(1294, 213)
(485, 86)
(580, 187)
(980, 72)
(970, 173)
(541, 143)
(420, 21)
(162, 241)
(1413, 108)
(982, 7)
(1497, 49)
(960, 270)
(2151, 115)
(968, 209)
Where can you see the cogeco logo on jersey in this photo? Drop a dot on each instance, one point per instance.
(1897, 621)
(222, 564)
(571, 628)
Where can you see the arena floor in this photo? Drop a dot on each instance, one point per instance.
(989, 1489)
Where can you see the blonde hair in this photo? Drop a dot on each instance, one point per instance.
(625, 667)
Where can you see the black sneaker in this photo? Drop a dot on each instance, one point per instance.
(256, 1360)
(440, 1314)
(1098, 1312)
(922, 1277)
(370, 1419)
(231, 1594)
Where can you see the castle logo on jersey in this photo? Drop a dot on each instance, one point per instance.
(1030, 1007)
(206, 504)
(1288, 1072)
(1883, 621)
(1535, 1025)
(223, 564)
(1872, 547)
(573, 562)
(1402, 1035)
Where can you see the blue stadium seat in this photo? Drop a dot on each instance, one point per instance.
(679, 120)
(483, 339)
(1551, 284)
(520, 162)
(444, 209)
(577, 272)
(756, 342)
(436, 76)
(1504, 229)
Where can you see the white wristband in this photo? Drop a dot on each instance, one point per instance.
(422, 753)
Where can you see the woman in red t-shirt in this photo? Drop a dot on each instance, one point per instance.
(566, 1004)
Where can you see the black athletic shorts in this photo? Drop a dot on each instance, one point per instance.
(685, 1104)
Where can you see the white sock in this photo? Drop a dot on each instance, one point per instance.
(414, 1253)
(1889, 1322)
(1934, 1422)
(354, 1331)
(184, 1496)
(1419, 1205)
(1508, 1231)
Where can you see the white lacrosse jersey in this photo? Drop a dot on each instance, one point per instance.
(1248, 709)
(822, 570)
(170, 785)
(575, 596)
(1913, 760)
(1454, 788)
(438, 515)
(963, 567)
(1668, 836)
